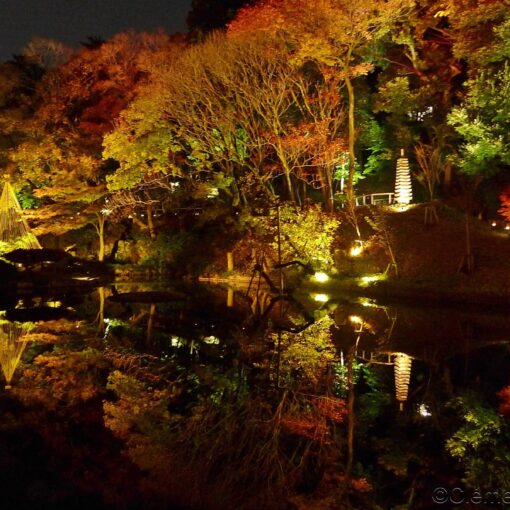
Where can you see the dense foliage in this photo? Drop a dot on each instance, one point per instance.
(293, 101)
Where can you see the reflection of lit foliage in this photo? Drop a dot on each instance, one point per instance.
(306, 355)
(403, 364)
(320, 277)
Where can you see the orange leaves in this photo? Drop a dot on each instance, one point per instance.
(307, 426)
(331, 408)
(505, 204)
(313, 424)
(263, 17)
(504, 406)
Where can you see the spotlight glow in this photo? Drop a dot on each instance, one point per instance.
(321, 277)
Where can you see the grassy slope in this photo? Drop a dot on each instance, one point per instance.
(429, 257)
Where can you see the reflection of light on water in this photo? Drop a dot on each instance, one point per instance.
(368, 303)
(54, 304)
(423, 410)
(369, 279)
(320, 298)
(321, 277)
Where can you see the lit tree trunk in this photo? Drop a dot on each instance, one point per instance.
(351, 204)
(150, 221)
(150, 324)
(101, 220)
(290, 188)
(100, 313)
(350, 410)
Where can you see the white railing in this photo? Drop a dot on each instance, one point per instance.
(375, 199)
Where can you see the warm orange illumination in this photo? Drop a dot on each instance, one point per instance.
(357, 249)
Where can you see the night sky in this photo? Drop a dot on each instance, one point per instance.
(72, 21)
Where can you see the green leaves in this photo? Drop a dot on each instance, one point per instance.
(483, 122)
(481, 444)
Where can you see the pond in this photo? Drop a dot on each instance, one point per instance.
(197, 397)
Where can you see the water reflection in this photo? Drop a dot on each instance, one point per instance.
(13, 341)
(220, 398)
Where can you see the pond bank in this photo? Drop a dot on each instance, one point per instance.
(444, 293)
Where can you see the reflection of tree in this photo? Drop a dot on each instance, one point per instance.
(245, 450)
(481, 444)
(12, 346)
(62, 377)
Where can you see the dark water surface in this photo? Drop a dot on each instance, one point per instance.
(193, 397)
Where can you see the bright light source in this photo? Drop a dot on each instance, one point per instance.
(355, 319)
(370, 279)
(403, 187)
(507, 227)
(357, 249)
(424, 411)
(321, 277)
(320, 298)
(493, 224)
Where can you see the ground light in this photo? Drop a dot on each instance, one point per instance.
(357, 249)
(320, 277)
(368, 279)
(320, 298)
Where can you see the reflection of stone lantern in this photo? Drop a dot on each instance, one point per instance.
(402, 364)
(12, 345)
(403, 187)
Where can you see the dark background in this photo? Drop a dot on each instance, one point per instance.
(73, 21)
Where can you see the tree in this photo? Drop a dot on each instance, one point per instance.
(483, 124)
(332, 33)
(231, 111)
(75, 104)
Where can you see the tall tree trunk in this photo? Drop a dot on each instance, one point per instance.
(150, 221)
(351, 204)
(101, 220)
(350, 410)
